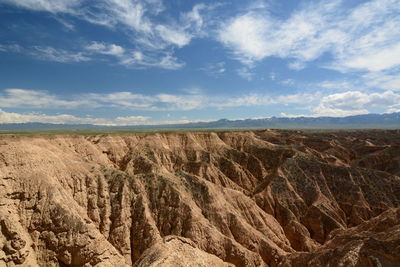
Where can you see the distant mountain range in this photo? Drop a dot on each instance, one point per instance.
(368, 121)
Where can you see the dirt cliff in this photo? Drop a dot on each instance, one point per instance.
(251, 198)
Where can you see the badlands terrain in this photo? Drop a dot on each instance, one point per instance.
(238, 198)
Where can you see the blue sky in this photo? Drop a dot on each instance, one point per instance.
(123, 62)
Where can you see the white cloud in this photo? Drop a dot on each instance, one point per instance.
(192, 91)
(215, 69)
(191, 100)
(181, 102)
(21, 98)
(157, 6)
(133, 101)
(173, 36)
(179, 33)
(132, 119)
(58, 55)
(285, 115)
(134, 18)
(335, 84)
(357, 99)
(47, 53)
(125, 57)
(296, 65)
(15, 48)
(367, 38)
(194, 18)
(246, 36)
(371, 59)
(383, 80)
(69, 26)
(168, 62)
(125, 12)
(244, 101)
(13, 117)
(53, 6)
(288, 82)
(106, 49)
(336, 112)
(245, 73)
(122, 100)
(338, 104)
(296, 98)
(161, 60)
(258, 4)
(393, 110)
(355, 102)
(371, 81)
(250, 100)
(256, 35)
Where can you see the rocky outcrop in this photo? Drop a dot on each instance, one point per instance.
(180, 252)
(373, 243)
(252, 198)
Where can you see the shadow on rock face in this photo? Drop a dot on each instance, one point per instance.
(251, 198)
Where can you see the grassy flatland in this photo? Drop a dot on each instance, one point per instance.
(102, 132)
(319, 132)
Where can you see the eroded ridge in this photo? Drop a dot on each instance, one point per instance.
(251, 198)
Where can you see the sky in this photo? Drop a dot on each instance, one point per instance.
(130, 62)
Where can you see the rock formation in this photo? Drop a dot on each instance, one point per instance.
(250, 198)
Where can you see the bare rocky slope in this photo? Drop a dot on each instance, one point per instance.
(251, 198)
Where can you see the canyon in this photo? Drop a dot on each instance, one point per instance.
(211, 198)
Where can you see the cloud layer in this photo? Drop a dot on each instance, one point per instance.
(191, 100)
(317, 104)
(356, 102)
(152, 43)
(14, 117)
(365, 38)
